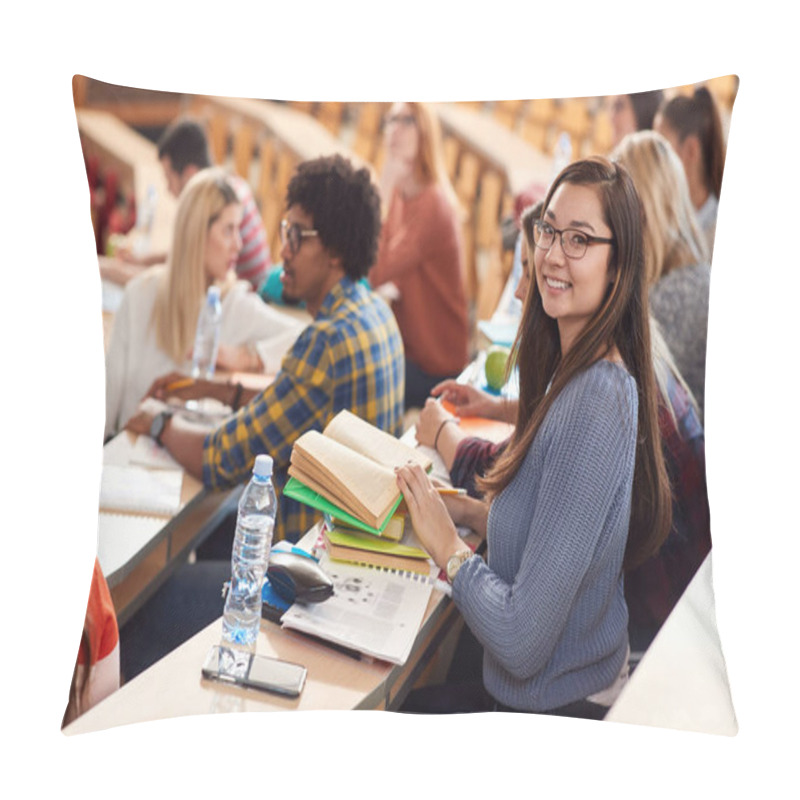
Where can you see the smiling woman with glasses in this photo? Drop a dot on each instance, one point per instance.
(420, 263)
(573, 241)
(581, 490)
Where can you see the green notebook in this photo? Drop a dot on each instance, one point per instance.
(300, 492)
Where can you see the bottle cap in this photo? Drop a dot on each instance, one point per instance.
(263, 466)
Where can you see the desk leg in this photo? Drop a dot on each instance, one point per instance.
(434, 663)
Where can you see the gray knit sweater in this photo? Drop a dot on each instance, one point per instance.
(679, 302)
(549, 606)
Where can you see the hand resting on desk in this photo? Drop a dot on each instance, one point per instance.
(472, 402)
(175, 384)
(116, 270)
(238, 358)
(431, 418)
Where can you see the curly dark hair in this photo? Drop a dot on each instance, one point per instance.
(345, 206)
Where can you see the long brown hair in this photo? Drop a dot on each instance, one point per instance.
(621, 321)
(699, 116)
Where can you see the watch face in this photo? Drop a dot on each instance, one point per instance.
(157, 426)
(454, 563)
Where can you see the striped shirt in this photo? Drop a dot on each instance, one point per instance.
(254, 259)
(350, 357)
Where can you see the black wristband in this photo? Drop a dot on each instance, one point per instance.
(444, 422)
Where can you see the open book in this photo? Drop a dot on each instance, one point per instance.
(351, 466)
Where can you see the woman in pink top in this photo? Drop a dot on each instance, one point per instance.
(420, 264)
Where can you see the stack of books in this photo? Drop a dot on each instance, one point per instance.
(401, 554)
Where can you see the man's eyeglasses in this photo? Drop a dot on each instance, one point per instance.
(406, 120)
(294, 234)
(573, 242)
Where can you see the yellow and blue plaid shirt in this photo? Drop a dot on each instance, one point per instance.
(350, 357)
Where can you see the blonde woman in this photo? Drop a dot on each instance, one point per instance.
(420, 263)
(676, 254)
(155, 326)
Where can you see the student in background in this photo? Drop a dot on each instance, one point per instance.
(581, 490)
(183, 152)
(692, 125)
(676, 255)
(96, 673)
(154, 328)
(420, 264)
(633, 112)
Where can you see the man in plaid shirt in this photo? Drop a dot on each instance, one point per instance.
(350, 356)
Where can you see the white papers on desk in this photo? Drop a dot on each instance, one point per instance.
(138, 489)
(376, 612)
(147, 453)
(112, 295)
(120, 537)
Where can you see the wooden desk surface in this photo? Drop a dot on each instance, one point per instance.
(135, 569)
(521, 163)
(173, 686)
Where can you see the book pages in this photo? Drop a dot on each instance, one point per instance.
(363, 487)
(371, 442)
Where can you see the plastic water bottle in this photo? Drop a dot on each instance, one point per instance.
(206, 340)
(144, 221)
(563, 153)
(254, 525)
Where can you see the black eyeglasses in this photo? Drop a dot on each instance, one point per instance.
(573, 242)
(399, 119)
(293, 233)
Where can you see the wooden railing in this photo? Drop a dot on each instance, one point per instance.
(493, 150)
(264, 141)
(119, 150)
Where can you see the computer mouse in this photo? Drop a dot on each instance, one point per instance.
(298, 578)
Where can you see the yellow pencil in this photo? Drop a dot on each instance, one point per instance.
(447, 490)
(181, 384)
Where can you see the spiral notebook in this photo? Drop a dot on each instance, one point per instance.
(374, 611)
(138, 489)
(121, 536)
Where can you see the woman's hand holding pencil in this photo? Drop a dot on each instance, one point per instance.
(175, 384)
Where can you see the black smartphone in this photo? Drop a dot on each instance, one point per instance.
(255, 672)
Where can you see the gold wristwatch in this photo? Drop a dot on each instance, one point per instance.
(454, 563)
